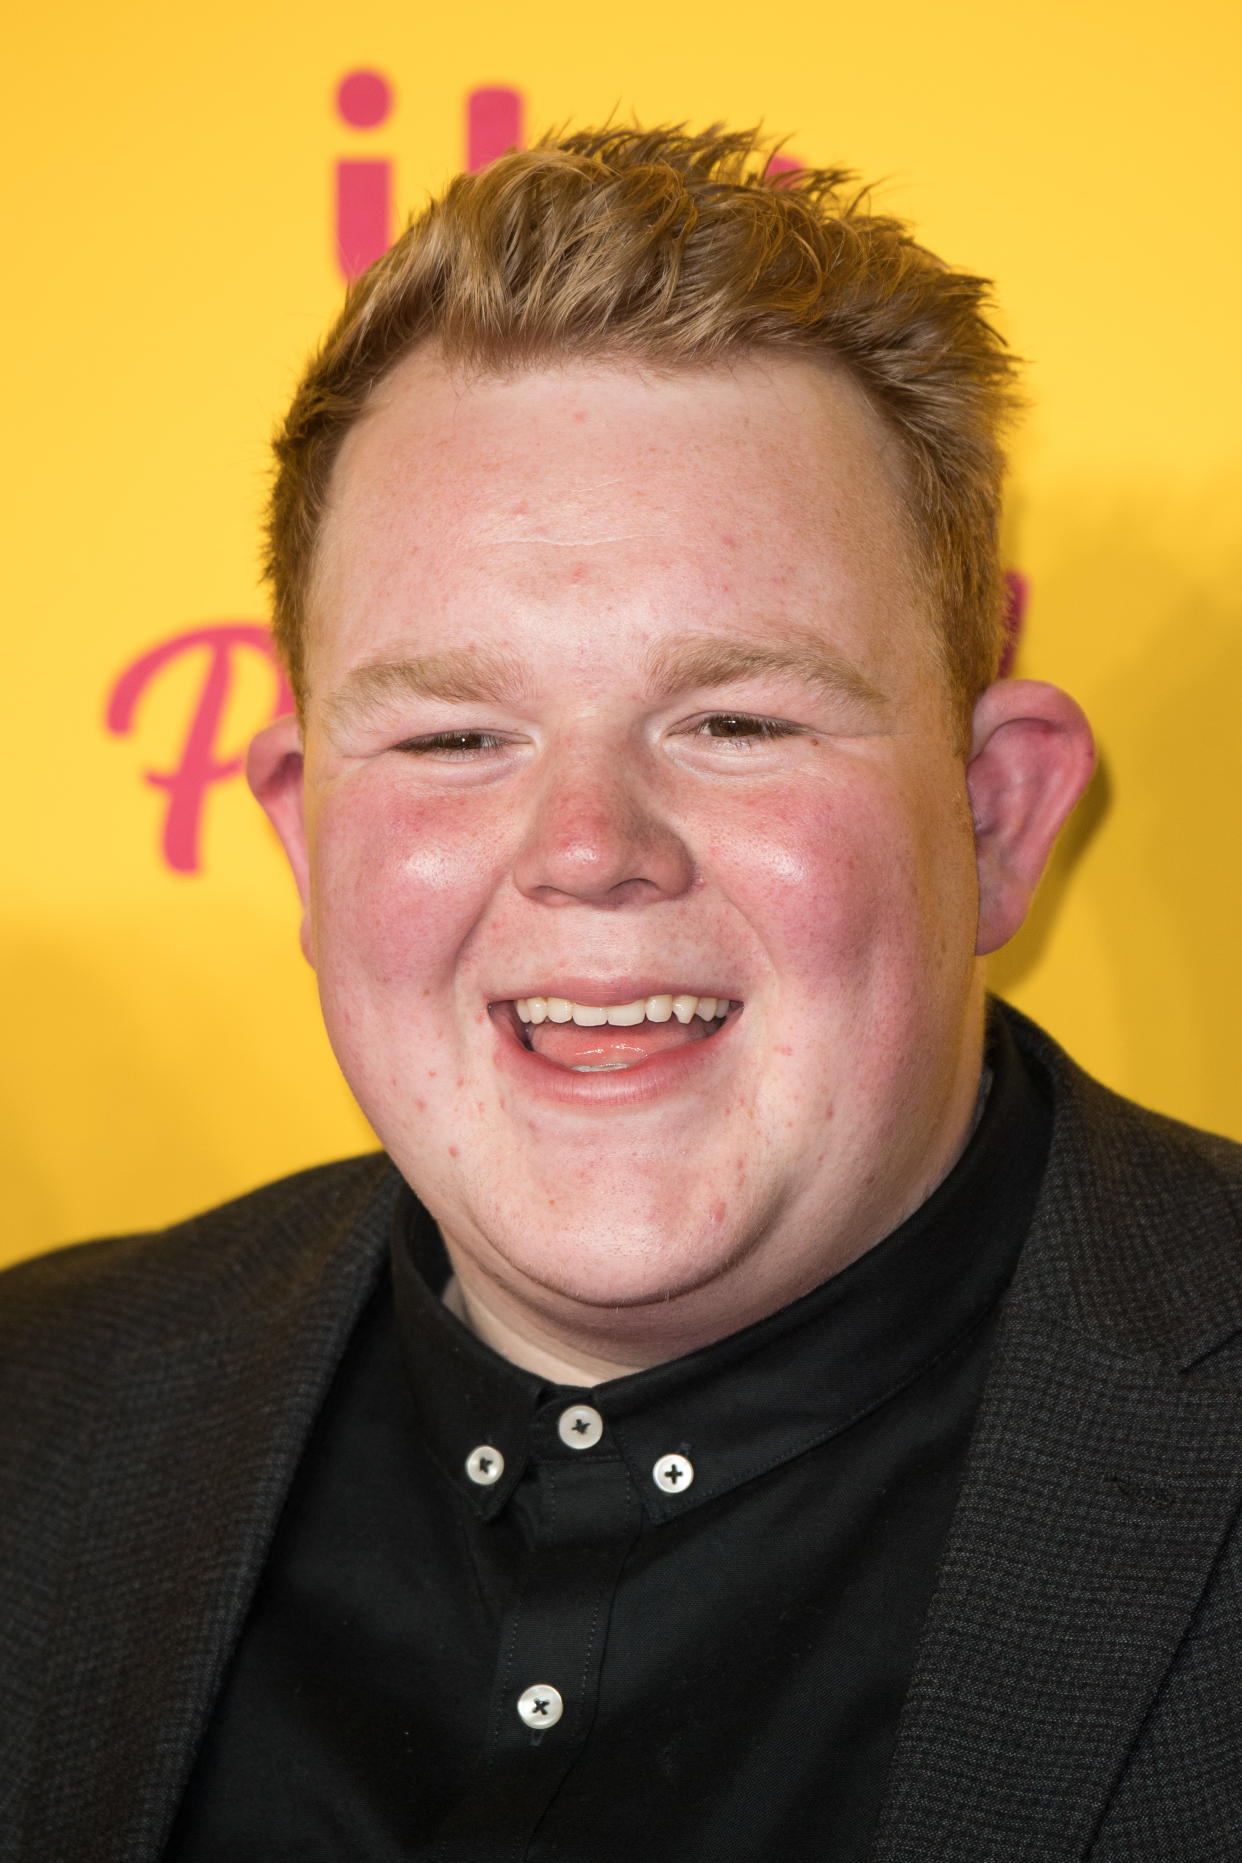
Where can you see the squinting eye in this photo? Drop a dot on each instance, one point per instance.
(451, 744)
(742, 729)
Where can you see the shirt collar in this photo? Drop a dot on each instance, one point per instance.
(761, 1396)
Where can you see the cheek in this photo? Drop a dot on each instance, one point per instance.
(398, 882)
(865, 876)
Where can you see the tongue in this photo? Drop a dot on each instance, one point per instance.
(570, 1046)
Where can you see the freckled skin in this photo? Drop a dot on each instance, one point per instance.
(826, 878)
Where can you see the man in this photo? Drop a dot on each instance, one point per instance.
(770, 1405)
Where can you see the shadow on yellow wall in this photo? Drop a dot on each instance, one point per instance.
(1132, 948)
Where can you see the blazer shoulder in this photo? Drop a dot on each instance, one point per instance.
(124, 1292)
(1109, 1121)
(1141, 1212)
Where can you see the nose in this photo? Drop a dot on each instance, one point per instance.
(597, 836)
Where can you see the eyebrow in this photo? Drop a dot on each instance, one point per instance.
(467, 676)
(720, 660)
(462, 675)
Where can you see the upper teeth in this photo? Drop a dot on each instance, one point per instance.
(620, 1015)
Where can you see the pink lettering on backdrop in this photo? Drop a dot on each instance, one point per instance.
(1017, 589)
(364, 206)
(493, 125)
(364, 99)
(201, 764)
(785, 165)
(363, 215)
(364, 185)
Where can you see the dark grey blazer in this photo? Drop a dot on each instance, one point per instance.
(1078, 1691)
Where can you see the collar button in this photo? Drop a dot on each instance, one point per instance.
(485, 1465)
(673, 1474)
(580, 1427)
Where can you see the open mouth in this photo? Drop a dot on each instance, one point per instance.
(594, 1038)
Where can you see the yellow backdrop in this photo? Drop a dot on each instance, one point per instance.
(175, 179)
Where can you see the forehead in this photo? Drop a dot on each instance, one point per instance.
(764, 496)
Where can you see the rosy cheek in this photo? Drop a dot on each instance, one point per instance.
(805, 868)
(399, 878)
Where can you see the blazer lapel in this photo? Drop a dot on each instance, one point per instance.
(1097, 1500)
(174, 1529)
(1103, 1478)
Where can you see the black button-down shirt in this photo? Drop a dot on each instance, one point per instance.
(686, 1635)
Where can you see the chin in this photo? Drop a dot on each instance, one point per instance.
(629, 1267)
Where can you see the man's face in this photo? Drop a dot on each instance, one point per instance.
(621, 689)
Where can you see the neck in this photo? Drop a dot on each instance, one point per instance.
(513, 1336)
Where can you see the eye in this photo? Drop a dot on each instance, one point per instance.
(743, 730)
(451, 746)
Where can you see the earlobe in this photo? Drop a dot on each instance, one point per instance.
(1032, 755)
(274, 770)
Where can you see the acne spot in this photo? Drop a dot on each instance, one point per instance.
(784, 1050)
(420, 1106)
(431, 1073)
(452, 1151)
(719, 1211)
(461, 1081)
(426, 992)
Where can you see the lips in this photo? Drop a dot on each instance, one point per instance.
(612, 1039)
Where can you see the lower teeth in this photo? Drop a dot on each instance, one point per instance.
(605, 1067)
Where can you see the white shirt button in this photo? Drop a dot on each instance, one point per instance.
(580, 1426)
(485, 1465)
(673, 1474)
(540, 1705)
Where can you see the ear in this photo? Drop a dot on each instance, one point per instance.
(1031, 757)
(274, 770)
